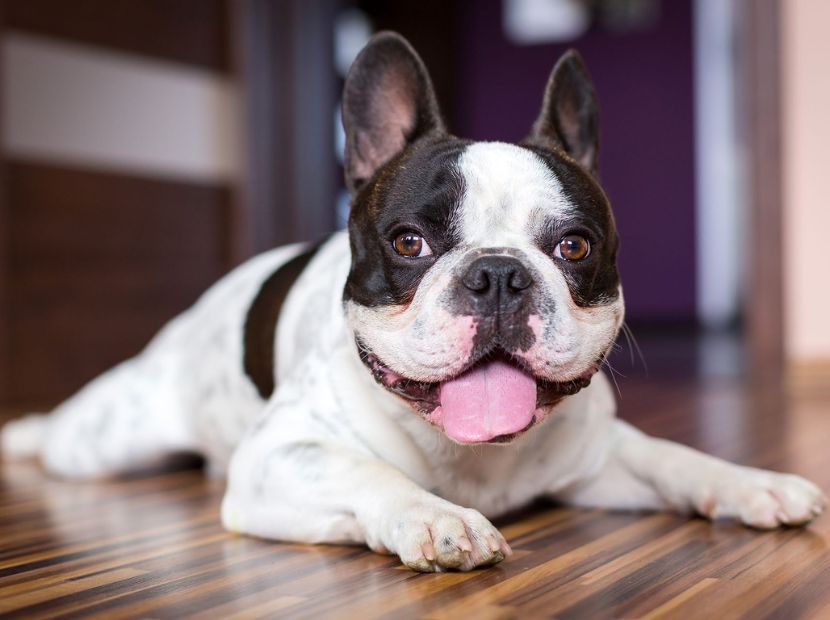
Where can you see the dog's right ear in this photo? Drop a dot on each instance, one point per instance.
(388, 102)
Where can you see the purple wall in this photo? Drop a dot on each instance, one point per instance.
(644, 81)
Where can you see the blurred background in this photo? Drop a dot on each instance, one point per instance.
(148, 146)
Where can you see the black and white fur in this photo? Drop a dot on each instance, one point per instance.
(325, 419)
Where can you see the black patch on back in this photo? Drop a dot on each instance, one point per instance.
(420, 189)
(261, 321)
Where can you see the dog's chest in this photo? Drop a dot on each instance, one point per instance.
(496, 479)
(495, 487)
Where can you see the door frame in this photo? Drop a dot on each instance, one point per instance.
(759, 60)
(4, 255)
(283, 60)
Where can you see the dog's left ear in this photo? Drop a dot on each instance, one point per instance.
(388, 103)
(569, 119)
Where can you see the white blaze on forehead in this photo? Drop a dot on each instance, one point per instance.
(508, 191)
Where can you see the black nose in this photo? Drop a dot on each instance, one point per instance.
(496, 283)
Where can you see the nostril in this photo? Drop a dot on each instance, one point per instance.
(519, 280)
(477, 280)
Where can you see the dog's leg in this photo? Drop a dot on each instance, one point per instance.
(128, 418)
(312, 491)
(642, 472)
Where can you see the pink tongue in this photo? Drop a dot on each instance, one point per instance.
(490, 400)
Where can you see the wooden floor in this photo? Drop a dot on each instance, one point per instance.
(152, 547)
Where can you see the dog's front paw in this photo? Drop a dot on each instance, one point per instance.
(434, 538)
(764, 499)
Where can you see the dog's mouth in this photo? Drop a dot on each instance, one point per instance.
(494, 399)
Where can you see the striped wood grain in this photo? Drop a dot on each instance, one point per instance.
(152, 546)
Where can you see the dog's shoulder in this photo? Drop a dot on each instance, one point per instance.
(310, 318)
(301, 277)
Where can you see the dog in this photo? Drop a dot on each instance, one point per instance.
(437, 365)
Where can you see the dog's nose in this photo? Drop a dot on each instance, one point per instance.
(497, 283)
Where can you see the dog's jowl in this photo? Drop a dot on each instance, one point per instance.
(435, 366)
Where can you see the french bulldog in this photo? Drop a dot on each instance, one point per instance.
(435, 366)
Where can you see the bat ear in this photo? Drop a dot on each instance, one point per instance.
(569, 119)
(388, 103)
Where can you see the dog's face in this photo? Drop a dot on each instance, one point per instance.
(483, 286)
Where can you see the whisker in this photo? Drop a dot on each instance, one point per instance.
(614, 374)
(634, 345)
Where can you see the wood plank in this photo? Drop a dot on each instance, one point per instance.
(152, 546)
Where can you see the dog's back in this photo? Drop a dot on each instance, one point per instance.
(186, 391)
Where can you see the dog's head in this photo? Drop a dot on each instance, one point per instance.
(483, 286)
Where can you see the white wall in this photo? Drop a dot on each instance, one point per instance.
(720, 203)
(806, 142)
(79, 105)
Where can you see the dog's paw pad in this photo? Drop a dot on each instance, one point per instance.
(434, 539)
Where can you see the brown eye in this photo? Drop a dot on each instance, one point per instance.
(573, 248)
(411, 245)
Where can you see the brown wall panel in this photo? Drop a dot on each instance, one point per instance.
(4, 244)
(189, 31)
(97, 263)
